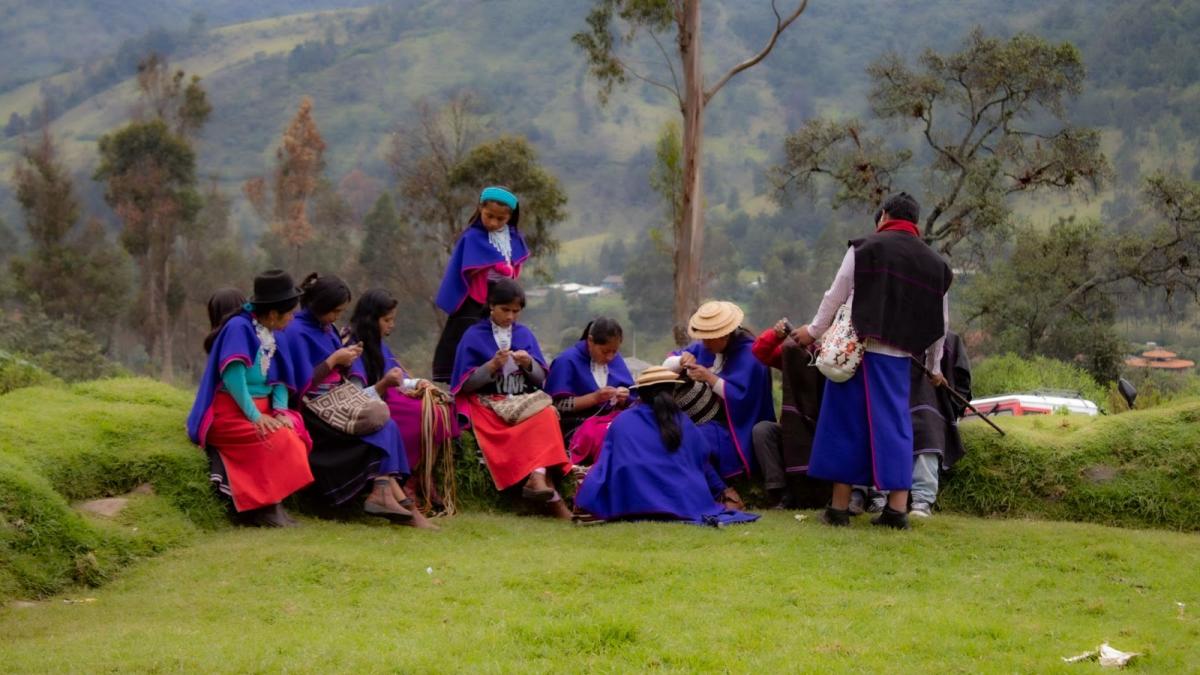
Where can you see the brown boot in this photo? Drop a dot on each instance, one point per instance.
(537, 488)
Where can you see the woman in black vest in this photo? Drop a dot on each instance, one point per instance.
(896, 286)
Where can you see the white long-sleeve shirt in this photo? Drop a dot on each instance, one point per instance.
(840, 291)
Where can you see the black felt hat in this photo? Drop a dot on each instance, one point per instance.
(274, 286)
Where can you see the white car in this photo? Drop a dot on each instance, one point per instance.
(1032, 404)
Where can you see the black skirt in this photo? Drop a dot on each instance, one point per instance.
(457, 323)
(342, 465)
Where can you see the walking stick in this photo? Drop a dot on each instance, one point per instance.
(958, 396)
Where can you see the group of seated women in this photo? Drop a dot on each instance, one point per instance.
(270, 360)
(660, 446)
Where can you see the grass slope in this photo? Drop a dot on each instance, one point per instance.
(63, 444)
(1139, 468)
(508, 594)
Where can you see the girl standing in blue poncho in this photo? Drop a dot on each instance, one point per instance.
(656, 465)
(491, 248)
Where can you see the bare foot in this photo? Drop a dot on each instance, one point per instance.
(420, 522)
(558, 509)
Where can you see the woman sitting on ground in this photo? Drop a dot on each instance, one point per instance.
(373, 320)
(736, 386)
(241, 409)
(656, 464)
(499, 358)
(590, 385)
(343, 464)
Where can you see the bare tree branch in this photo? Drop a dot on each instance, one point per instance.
(781, 25)
(670, 66)
(630, 71)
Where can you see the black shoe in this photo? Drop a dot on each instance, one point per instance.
(835, 517)
(897, 520)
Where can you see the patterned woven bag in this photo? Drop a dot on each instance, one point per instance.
(841, 351)
(350, 409)
(518, 408)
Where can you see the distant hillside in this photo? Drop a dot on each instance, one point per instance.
(366, 69)
(50, 36)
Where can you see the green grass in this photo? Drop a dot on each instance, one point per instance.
(62, 444)
(509, 594)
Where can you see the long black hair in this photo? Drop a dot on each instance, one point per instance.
(602, 329)
(364, 327)
(661, 398)
(323, 294)
(222, 305)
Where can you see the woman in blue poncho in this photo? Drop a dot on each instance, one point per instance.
(656, 465)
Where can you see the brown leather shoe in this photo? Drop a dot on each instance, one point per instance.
(396, 514)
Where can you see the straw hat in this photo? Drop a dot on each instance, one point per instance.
(714, 319)
(656, 375)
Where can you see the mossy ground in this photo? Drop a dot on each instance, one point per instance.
(1136, 469)
(509, 593)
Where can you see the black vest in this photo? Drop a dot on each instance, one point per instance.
(899, 283)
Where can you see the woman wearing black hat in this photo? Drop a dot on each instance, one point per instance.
(241, 407)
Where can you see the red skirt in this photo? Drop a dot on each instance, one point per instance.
(512, 453)
(262, 471)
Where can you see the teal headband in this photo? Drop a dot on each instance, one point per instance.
(500, 195)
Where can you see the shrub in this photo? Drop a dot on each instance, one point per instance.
(1010, 374)
(1137, 469)
(16, 372)
(63, 350)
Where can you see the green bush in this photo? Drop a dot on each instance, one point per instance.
(60, 444)
(61, 349)
(1010, 374)
(1138, 469)
(16, 372)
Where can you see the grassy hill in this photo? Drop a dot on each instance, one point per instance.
(531, 80)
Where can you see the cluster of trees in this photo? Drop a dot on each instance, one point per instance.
(977, 132)
(175, 244)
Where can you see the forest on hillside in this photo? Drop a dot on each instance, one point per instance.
(391, 84)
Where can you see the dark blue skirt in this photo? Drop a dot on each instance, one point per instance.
(864, 432)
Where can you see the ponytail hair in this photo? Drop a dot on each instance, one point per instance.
(364, 328)
(222, 306)
(661, 398)
(602, 330)
(323, 294)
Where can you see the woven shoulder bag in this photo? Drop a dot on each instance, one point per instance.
(841, 351)
(350, 409)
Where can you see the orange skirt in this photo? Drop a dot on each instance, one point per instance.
(513, 452)
(262, 471)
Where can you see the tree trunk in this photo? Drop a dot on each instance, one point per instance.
(164, 326)
(689, 235)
